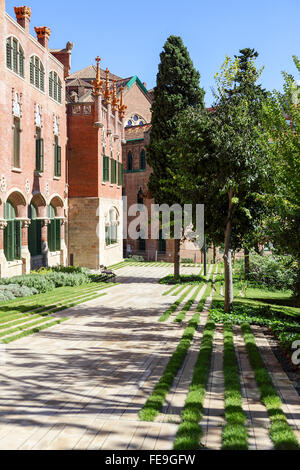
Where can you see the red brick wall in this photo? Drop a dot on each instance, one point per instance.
(26, 181)
(30, 96)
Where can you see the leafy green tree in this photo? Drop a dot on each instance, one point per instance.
(221, 161)
(177, 88)
(282, 144)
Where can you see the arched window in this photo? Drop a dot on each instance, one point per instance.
(162, 246)
(14, 56)
(111, 227)
(34, 232)
(55, 87)
(37, 73)
(135, 120)
(12, 233)
(143, 160)
(54, 230)
(129, 161)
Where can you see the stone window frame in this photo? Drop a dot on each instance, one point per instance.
(20, 46)
(42, 73)
(52, 75)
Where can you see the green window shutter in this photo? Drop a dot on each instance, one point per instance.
(37, 155)
(7, 241)
(18, 240)
(113, 171)
(21, 64)
(37, 72)
(55, 87)
(58, 161)
(8, 53)
(32, 237)
(105, 168)
(15, 56)
(42, 154)
(42, 76)
(59, 91)
(38, 237)
(57, 235)
(51, 235)
(50, 85)
(31, 71)
(10, 236)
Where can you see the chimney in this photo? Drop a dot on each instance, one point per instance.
(43, 34)
(23, 15)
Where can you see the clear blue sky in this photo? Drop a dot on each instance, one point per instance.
(129, 35)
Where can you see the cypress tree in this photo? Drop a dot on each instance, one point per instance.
(177, 88)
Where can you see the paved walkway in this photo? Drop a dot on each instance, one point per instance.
(68, 387)
(80, 385)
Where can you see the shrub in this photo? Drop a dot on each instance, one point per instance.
(275, 272)
(61, 279)
(71, 269)
(36, 281)
(138, 259)
(187, 261)
(12, 291)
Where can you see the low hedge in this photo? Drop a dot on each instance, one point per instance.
(13, 291)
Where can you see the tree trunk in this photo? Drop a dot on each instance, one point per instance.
(177, 259)
(247, 263)
(214, 253)
(228, 303)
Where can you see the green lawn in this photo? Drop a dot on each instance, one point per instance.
(28, 315)
(261, 306)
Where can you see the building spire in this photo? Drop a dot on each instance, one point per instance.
(115, 101)
(122, 106)
(97, 83)
(107, 92)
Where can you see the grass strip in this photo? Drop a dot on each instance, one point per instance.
(29, 303)
(280, 431)
(181, 315)
(42, 318)
(33, 330)
(189, 431)
(179, 291)
(171, 290)
(156, 400)
(174, 306)
(234, 435)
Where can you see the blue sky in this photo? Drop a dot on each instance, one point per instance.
(129, 35)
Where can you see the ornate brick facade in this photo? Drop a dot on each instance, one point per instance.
(29, 114)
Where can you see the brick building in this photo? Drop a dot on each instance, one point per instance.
(33, 191)
(95, 110)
